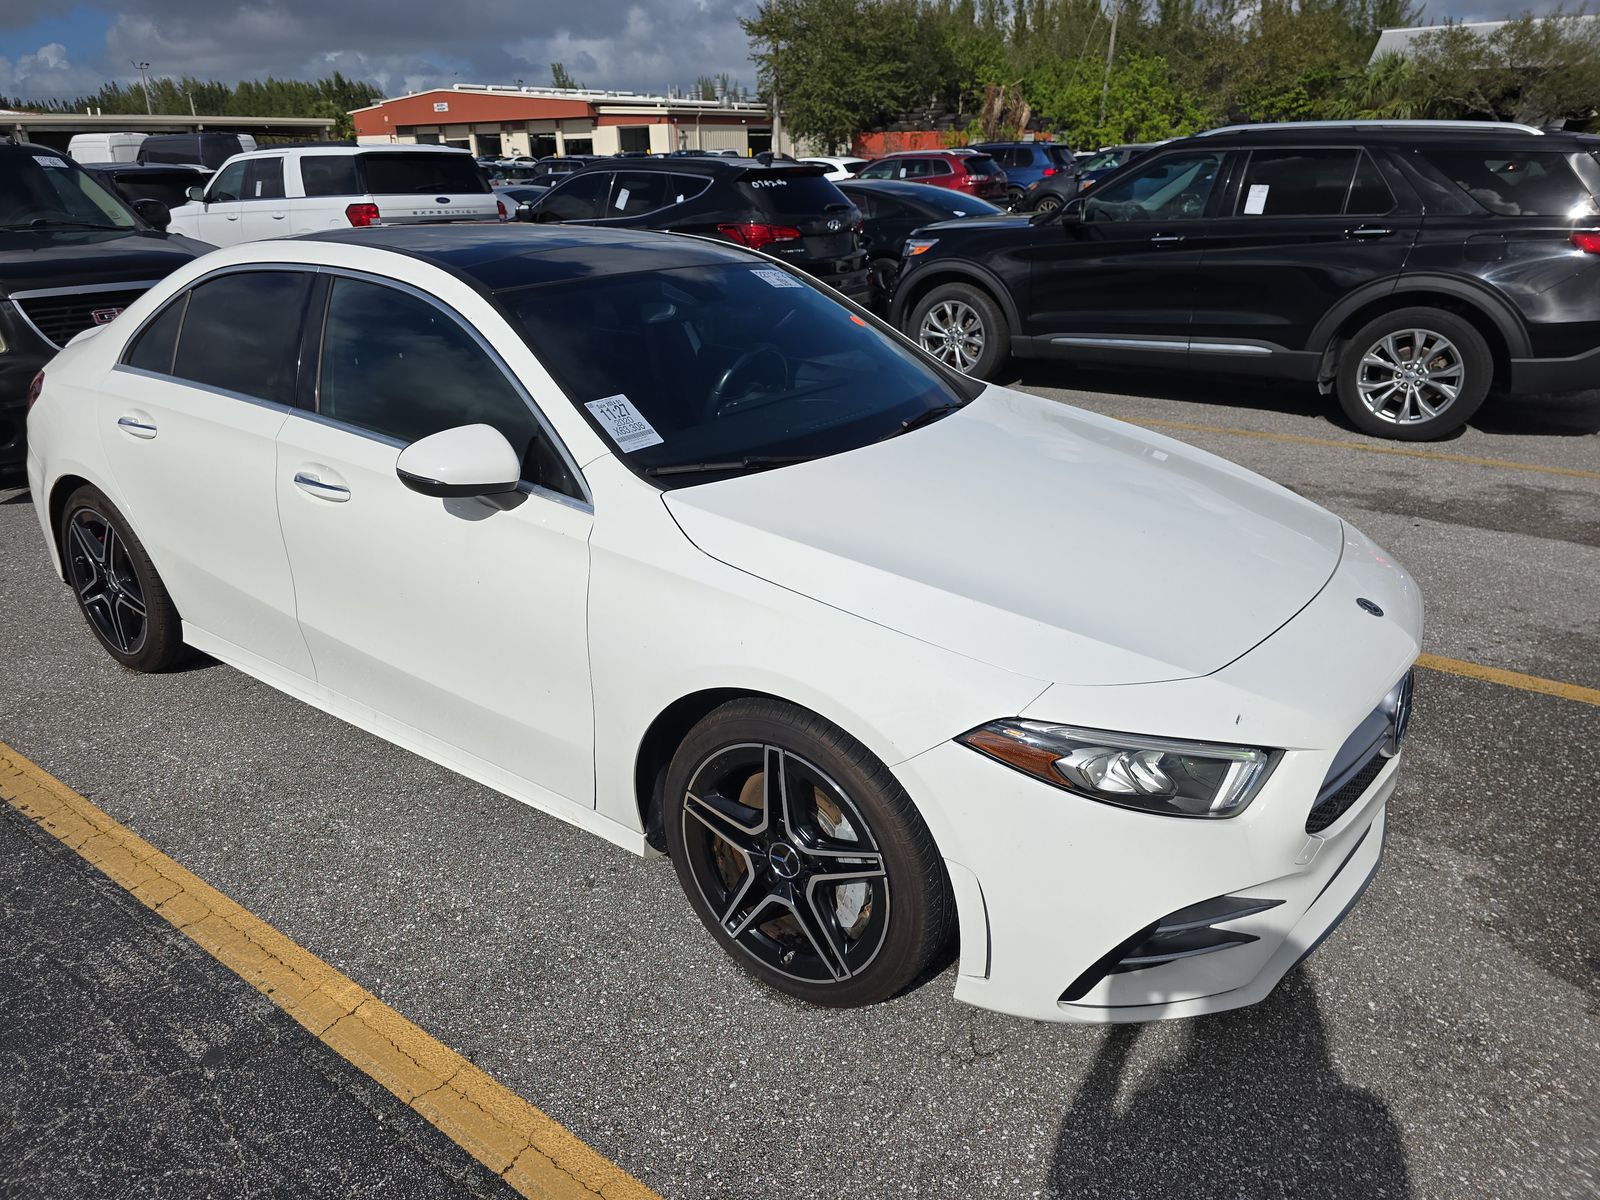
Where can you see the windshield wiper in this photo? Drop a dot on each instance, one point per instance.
(751, 462)
(937, 413)
(50, 223)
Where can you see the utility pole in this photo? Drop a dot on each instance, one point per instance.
(777, 114)
(1111, 50)
(143, 67)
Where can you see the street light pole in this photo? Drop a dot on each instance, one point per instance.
(142, 67)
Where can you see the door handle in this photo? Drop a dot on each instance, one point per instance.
(312, 486)
(279, 216)
(137, 425)
(1166, 239)
(1363, 232)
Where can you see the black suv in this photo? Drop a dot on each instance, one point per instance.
(72, 255)
(1408, 267)
(788, 210)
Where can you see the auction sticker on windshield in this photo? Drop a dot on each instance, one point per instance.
(776, 278)
(624, 422)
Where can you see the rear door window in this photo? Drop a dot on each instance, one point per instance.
(1298, 182)
(638, 192)
(403, 174)
(687, 187)
(157, 342)
(329, 175)
(241, 333)
(1369, 194)
(1540, 184)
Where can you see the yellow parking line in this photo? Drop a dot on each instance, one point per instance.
(1512, 679)
(534, 1154)
(1301, 439)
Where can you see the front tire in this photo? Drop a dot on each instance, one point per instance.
(1414, 374)
(962, 327)
(804, 857)
(117, 588)
(1047, 204)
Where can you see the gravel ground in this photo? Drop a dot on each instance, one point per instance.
(1444, 1043)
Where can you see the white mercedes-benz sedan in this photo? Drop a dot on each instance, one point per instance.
(661, 537)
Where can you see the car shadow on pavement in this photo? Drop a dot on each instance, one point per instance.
(21, 497)
(1252, 1106)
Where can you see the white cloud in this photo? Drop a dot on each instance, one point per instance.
(47, 73)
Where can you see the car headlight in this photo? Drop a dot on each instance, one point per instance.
(916, 246)
(1157, 775)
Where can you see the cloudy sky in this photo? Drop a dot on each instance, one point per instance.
(49, 49)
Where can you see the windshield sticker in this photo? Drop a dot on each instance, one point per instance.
(621, 201)
(776, 278)
(625, 423)
(46, 161)
(1256, 202)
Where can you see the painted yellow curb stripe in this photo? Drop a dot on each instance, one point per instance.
(534, 1154)
(1301, 439)
(1512, 679)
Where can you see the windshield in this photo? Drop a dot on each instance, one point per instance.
(719, 364)
(1103, 161)
(45, 191)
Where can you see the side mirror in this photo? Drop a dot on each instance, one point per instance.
(525, 211)
(470, 460)
(153, 212)
(197, 193)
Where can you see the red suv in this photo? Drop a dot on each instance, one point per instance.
(962, 170)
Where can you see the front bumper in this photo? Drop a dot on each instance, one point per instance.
(1056, 891)
(26, 352)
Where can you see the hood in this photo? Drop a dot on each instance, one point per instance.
(63, 258)
(1033, 537)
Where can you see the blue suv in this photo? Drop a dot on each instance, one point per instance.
(1026, 163)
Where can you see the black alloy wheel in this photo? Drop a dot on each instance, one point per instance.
(803, 857)
(1047, 203)
(116, 586)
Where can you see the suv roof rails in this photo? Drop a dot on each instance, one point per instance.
(1472, 126)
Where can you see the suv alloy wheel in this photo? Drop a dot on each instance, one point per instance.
(1414, 374)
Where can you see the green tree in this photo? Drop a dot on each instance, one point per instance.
(562, 78)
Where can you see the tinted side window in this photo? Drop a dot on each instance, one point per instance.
(227, 186)
(638, 192)
(1516, 185)
(398, 365)
(329, 175)
(882, 170)
(1173, 187)
(1369, 193)
(242, 333)
(263, 179)
(1296, 183)
(938, 166)
(153, 349)
(578, 198)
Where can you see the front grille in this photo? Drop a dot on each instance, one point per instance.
(61, 318)
(1334, 805)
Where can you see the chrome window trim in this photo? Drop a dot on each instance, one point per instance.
(256, 401)
(587, 499)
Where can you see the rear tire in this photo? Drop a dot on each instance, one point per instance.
(804, 857)
(1414, 374)
(117, 588)
(963, 327)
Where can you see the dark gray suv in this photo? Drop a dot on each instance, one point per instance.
(1408, 267)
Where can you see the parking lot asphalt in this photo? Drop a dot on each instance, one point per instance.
(1444, 1043)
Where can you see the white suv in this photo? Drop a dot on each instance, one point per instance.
(301, 189)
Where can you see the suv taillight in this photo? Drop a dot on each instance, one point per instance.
(35, 390)
(756, 235)
(500, 207)
(361, 215)
(1587, 240)
(1050, 171)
